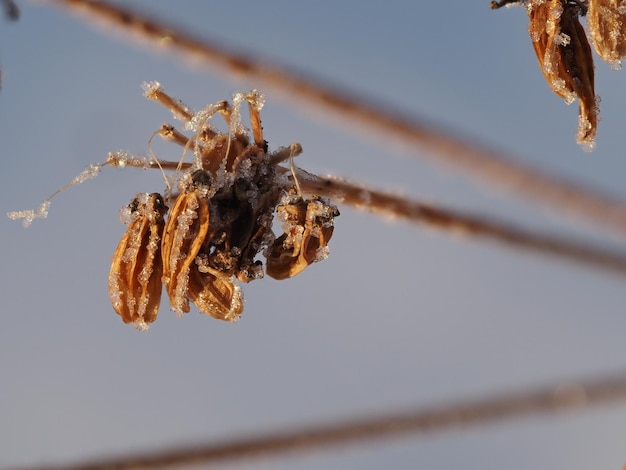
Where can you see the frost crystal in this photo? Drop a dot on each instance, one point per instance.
(200, 119)
(42, 211)
(29, 215)
(140, 324)
(562, 39)
(149, 88)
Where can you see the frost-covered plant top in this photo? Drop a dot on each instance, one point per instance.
(564, 53)
(565, 57)
(219, 228)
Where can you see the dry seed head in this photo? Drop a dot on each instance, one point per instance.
(221, 220)
(244, 193)
(136, 269)
(606, 21)
(565, 59)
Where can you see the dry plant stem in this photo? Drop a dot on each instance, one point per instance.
(460, 223)
(487, 165)
(421, 421)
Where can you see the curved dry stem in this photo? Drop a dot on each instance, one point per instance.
(412, 421)
(487, 165)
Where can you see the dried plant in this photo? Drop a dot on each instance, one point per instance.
(136, 270)
(220, 221)
(218, 230)
(565, 58)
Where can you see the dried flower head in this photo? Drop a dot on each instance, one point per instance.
(564, 56)
(136, 269)
(606, 20)
(220, 224)
(221, 221)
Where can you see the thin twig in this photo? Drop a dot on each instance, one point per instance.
(413, 421)
(456, 222)
(482, 163)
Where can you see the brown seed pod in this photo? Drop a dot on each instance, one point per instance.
(606, 20)
(136, 269)
(185, 252)
(565, 59)
(308, 227)
(183, 236)
(214, 293)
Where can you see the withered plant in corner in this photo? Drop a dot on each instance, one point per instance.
(564, 55)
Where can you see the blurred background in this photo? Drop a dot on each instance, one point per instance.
(397, 317)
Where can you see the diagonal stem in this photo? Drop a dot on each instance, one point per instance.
(479, 162)
(412, 421)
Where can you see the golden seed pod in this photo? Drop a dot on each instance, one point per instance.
(565, 59)
(214, 294)
(308, 228)
(136, 269)
(606, 20)
(183, 236)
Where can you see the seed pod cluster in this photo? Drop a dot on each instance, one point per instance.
(564, 53)
(219, 226)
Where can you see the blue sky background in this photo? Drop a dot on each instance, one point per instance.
(398, 316)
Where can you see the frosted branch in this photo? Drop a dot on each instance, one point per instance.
(439, 144)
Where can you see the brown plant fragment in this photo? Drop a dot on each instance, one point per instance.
(308, 226)
(185, 251)
(214, 293)
(565, 59)
(241, 217)
(136, 269)
(564, 56)
(606, 20)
